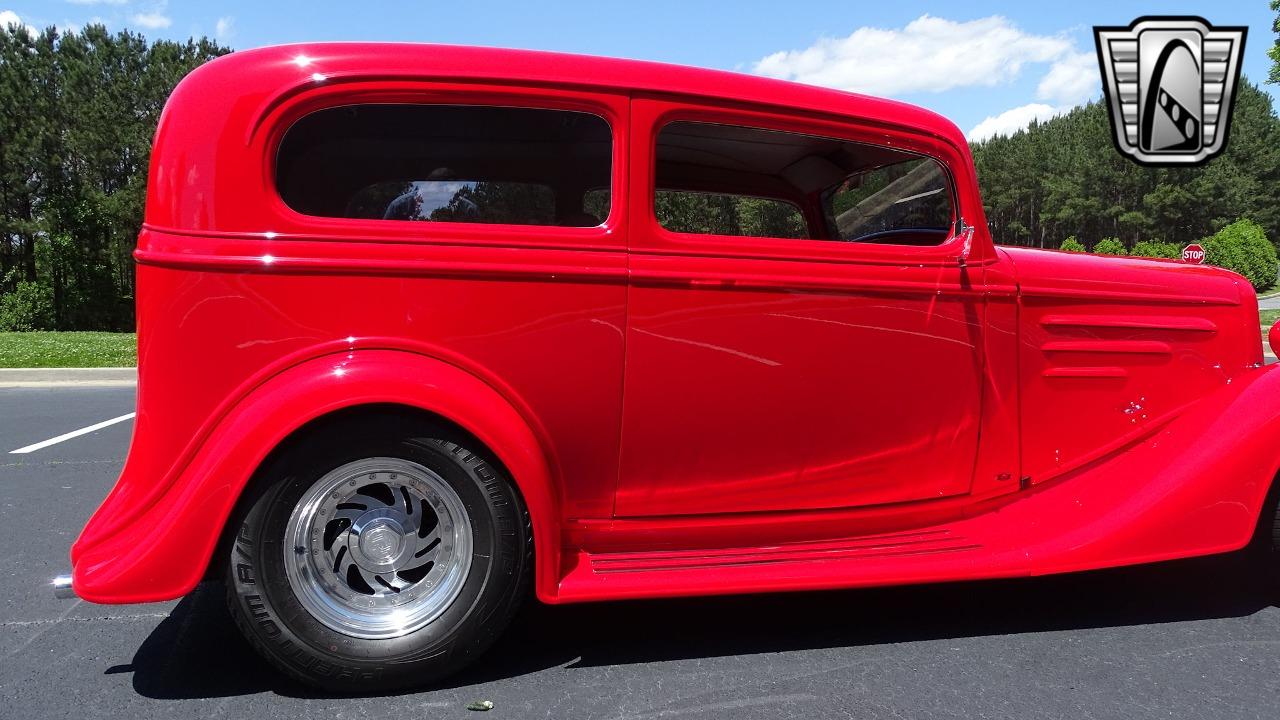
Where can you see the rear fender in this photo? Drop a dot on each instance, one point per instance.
(163, 552)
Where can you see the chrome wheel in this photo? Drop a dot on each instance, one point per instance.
(378, 548)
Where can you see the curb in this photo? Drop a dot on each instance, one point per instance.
(68, 377)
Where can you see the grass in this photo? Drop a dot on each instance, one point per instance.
(1267, 318)
(67, 349)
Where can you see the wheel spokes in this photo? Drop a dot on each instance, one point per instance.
(425, 552)
(349, 512)
(377, 546)
(361, 580)
(421, 530)
(427, 548)
(378, 494)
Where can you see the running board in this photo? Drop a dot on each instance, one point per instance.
(896, 545)
(914, 556)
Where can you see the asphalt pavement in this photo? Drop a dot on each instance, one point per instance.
(1194, 639)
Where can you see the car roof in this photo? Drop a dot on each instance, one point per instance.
(335, 59)
(206, 163)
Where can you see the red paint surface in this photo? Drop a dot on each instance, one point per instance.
(683, 414)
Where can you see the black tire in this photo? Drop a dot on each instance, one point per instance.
(1275, 533)
(265, 607)
(1271, 523)
(1266, 537)
(1264, 552)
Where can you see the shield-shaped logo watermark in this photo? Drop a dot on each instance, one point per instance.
(1169, 84)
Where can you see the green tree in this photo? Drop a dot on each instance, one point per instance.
(1274, 52)
(29, 306)
(80, 110)
(1071, 244)
(500, 202)
(1243, 247)
(762, 217)
(1153, 249)
(1109, 246)
(1064, 177)
(716, 214)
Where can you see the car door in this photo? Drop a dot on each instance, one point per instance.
(802, 332)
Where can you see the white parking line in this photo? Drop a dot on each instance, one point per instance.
(72, 434)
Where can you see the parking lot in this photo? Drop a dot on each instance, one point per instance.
(1194, 639)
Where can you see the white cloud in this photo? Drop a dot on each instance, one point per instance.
(9, 17)
(1011, 121)
(930, 54)
(222, 29)
(1071, 80)
(153, 20)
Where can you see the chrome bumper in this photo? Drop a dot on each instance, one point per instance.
(62, 588)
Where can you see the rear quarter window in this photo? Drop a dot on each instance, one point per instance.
(448, 163)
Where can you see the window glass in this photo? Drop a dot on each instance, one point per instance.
(899, 200)
(448, 163)
(720, 214)
(730, 180)
(596, 202)
(456, 201)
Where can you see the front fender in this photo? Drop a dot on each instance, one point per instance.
(164, 548)
(1196, 486)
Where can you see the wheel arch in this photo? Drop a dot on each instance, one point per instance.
(193, 513)
(415, 419)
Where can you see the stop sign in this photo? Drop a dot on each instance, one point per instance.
(1193, 253)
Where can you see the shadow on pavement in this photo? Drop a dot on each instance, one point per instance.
(198, 653)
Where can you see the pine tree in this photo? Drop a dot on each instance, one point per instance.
(80, 110)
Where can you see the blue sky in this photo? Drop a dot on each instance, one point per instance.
(989, 66)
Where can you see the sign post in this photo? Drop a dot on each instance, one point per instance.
(1193, 253)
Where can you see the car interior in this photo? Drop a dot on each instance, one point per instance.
(840, 190)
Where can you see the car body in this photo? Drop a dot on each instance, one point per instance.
(683, 412)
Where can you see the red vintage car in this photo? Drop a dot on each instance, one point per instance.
(422, 328)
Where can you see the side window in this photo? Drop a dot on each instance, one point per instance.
(596, 202)
(907, 201)
(721, 214)
(729, 180)
(448, 163)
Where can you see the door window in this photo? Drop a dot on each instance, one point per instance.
(725, 214)
(728, 180)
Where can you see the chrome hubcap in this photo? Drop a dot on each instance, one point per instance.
(378, 548)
